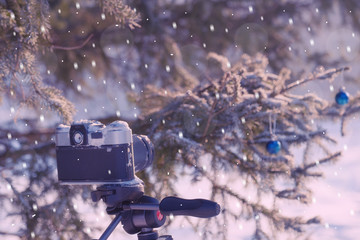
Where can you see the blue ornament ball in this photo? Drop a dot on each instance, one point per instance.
(342, 97)
(273, 146)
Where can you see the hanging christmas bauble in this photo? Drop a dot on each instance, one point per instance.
(342, 97)
(273, 146)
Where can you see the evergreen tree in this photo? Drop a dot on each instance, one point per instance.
(207, 109)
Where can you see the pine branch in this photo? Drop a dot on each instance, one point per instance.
(121, 12)
(326, 75)
(14, 6)
(11, 234)
(74, 47)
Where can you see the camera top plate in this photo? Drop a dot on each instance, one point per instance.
(93, 133)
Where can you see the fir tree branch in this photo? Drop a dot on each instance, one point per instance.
(11, 234)
(15, 7)
(74, 47)
(329, 74)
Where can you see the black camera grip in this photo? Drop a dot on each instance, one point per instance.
(200, 208)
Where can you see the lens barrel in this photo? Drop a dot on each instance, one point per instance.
(143, 152)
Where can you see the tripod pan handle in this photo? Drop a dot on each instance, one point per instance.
(200, 208)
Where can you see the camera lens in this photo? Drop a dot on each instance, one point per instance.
(78, 138)
(143, 152)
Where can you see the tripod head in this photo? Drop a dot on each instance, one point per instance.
(88, 152)
(144, 214)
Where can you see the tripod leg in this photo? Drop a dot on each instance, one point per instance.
(111, 227)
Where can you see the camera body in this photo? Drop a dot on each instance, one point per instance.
(88, 152)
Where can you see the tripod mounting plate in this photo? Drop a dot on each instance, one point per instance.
(115, 194)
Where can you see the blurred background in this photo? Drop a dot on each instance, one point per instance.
(72, 60)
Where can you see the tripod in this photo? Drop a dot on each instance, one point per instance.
(140, 214)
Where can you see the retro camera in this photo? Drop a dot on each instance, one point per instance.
(88, 152)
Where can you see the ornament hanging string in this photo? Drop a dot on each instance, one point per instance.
(342, 79)
(272, 124)
(270, 127)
